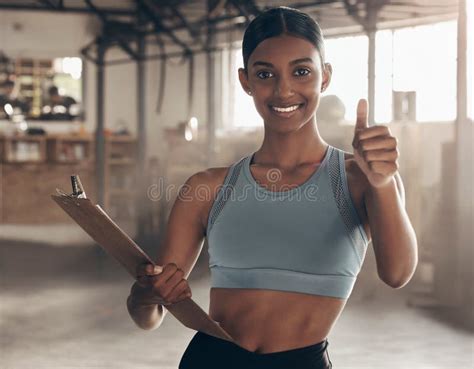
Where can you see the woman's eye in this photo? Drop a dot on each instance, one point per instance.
(302, 72)
(263, 74)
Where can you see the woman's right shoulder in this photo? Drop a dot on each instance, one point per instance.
(212, 177)
(201, 189)
(208, 181)
(205, 184)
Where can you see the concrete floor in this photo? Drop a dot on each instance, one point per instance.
(61, 308)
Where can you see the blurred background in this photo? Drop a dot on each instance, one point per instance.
(137, 95)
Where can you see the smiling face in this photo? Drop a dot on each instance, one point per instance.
(285, 77)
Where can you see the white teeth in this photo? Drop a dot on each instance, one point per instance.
(285, 110)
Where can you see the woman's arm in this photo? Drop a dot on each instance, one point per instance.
(182, 245)
(147, 317)
(393, 236)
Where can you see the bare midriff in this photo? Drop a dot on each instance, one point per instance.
(265, 321)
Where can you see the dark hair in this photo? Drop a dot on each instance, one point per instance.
(279, 21)
(53, 91)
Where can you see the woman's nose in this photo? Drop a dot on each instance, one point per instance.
(284, 88)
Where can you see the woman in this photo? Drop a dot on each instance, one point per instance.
(288, 226)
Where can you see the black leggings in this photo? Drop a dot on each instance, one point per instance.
(208, 352)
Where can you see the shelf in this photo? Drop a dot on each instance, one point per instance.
(80, 162)
(23, 149)
(70, 149)
(24, 138)
(32, 75)
(121, 138)
(26, 162)
(71, 138)
(122, 161)
(22, 178)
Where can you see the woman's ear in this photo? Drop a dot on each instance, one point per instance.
(244, 81)
(327, 74)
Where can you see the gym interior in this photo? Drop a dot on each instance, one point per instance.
(135, 96)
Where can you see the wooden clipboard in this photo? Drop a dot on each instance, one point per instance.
(95, 221)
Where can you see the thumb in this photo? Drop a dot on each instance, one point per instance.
(362, 119)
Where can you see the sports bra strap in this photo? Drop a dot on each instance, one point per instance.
(342, 196)
(224, 192)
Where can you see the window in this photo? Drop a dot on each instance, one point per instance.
(67, 76)
(242, 109)
(348, 57)
(40, 88)
(424, 60)
(421, 59)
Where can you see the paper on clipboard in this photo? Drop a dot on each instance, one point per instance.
(95, 221)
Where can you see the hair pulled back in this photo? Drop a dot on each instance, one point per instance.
(281, 21)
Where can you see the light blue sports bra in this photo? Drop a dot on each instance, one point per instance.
(306, 239)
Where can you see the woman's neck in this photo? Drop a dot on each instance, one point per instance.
(289, 150)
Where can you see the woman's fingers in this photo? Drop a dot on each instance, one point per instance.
(165, 283)
(153, 269)
(184, 295)
(163, 286)
(179, 293)
(181, 287)
(148, 269)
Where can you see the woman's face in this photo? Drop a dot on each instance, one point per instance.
(285, 78)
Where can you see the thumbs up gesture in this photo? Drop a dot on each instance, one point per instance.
(375, 149)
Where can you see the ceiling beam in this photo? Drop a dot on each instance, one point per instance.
(253, 8)
(149, 11)
(195, 35)
(241, 9)
(319, 4)
(103, 17)
(430, 4)
(47, 3)
(64, 9)
(353, 11)
(203, 22)
(418, 9)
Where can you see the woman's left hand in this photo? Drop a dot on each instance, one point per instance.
(375, 149)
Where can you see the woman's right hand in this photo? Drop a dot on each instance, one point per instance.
(159, 285)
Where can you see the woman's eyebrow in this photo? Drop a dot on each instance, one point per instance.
(296, 61)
